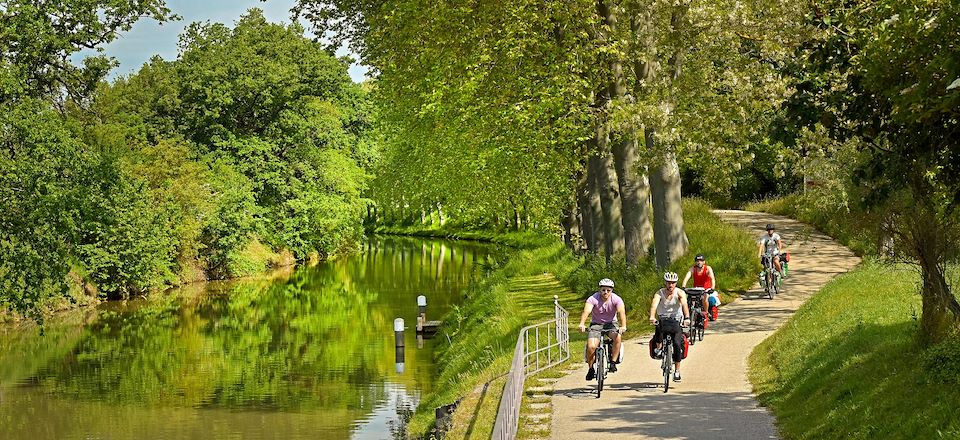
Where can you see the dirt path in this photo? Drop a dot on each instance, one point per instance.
(714, 400)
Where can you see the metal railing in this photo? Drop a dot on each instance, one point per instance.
(539, 346)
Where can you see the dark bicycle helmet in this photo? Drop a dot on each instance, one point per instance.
(699, 257)
(770, 226)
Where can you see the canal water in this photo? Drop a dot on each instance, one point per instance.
(309, 354)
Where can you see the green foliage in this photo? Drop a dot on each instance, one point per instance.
(848, 364)
(490, 118)
(41, 170)
(287, 115)
(124, 243)
(251, 145)
(38, 38)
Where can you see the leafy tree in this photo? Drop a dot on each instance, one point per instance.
(903, 121)
(38, 38)
(42, 160)
(583, 95)
(40, 164)
(287, 114)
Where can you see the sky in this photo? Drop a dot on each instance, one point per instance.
(147, 38)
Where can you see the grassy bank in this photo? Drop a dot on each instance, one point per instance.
(516, 239)
(855, 230)
(846, 365)
(484, 330)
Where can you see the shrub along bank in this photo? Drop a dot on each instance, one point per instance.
(483, 331)
(848, 365)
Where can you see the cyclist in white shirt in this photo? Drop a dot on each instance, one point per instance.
(770, 244)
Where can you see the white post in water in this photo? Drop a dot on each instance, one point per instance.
(398, 338)
(398, 331)
(422, 312)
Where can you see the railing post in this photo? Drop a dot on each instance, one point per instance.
(558, 316)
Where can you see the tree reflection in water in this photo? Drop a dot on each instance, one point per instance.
(318, 341)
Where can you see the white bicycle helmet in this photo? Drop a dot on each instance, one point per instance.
(606, 282)
(671, 276)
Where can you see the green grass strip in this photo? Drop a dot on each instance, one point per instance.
(847, 364)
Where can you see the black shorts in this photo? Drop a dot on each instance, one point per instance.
(670, 326)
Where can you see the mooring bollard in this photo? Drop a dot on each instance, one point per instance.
(400, 361)
(398, 339)
(398, 331)
(422, 312)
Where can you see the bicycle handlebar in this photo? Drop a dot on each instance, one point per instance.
(657, 322)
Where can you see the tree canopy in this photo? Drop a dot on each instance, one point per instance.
(250, 149)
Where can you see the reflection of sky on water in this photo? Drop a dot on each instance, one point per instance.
(385, 418)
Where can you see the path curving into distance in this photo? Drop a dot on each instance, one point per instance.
(714, 400)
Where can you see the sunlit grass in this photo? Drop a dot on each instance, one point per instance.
(847, 364)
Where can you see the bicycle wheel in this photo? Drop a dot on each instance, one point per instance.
(700, 331)
(600, 360)
(667, 363)
(776, 287)
(769, 287)
(692, 333)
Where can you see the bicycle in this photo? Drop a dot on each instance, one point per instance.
(667, 363)
(695, 300)
(772, 280)
(602, 359)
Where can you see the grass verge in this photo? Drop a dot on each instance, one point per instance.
(518, 239)
(847, 364)
(484, 329)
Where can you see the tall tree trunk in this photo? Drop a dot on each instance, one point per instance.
(634, 194)
(516, 218)
(941, 312)
(633, 186)
(595, 206)
(670, 237)
(584, 201)
(568, 221)
(928, 239)
(609, 198)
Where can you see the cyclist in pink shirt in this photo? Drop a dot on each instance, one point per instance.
(604, 305)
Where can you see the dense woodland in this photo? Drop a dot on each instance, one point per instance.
(252, 148)
(585, 120)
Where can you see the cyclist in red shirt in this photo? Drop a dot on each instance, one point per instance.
(703, 277)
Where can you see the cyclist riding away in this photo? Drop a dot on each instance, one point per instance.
(667, 309)
(703, 277)
(604, 305)
(770, 244)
